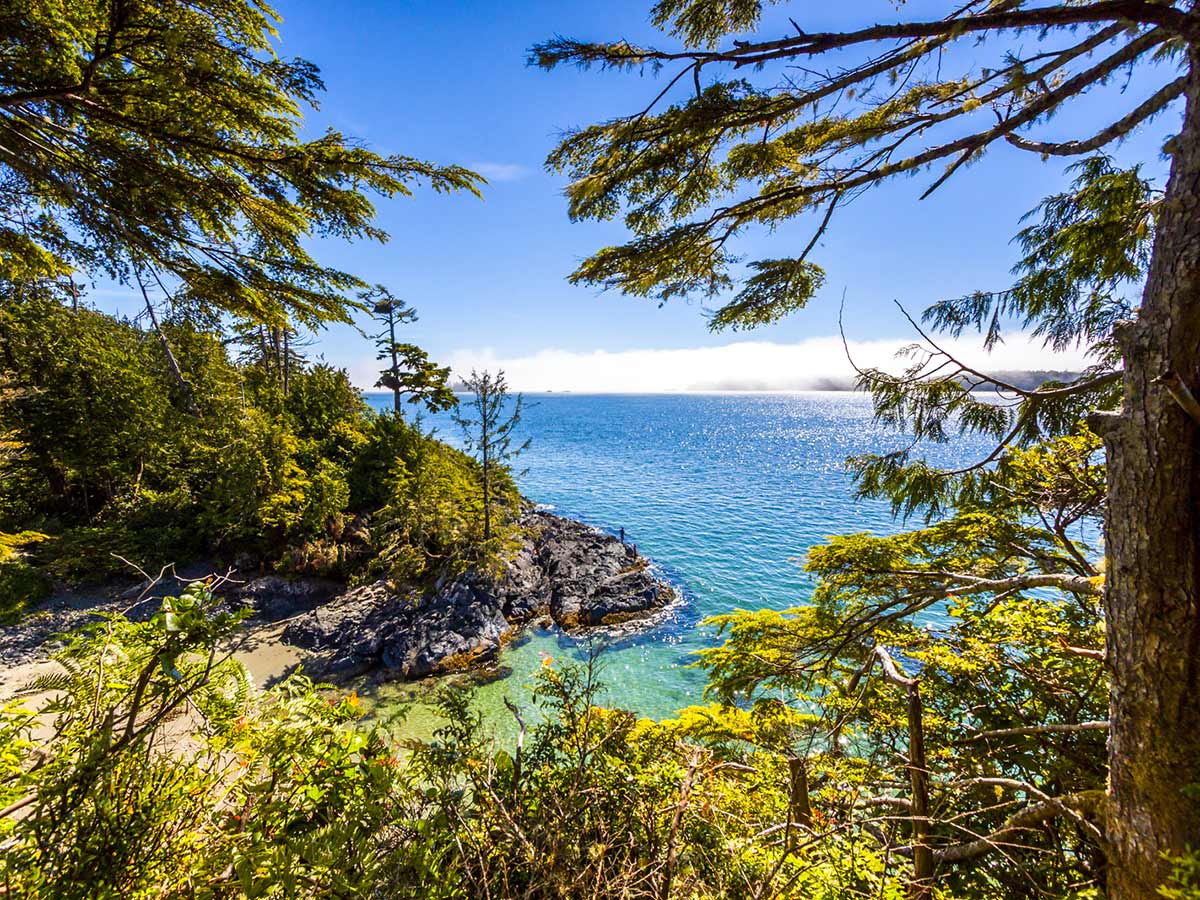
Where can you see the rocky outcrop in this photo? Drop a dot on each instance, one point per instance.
(564, 570)
(273, 598)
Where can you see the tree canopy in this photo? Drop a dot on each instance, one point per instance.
(166, 140)
(752, 132)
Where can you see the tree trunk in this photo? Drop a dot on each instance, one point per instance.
(287, 362)
(485, 445)
(265, 346)
(395, 361)
(921, 886)
(172, 363)
(1152, 597)
(487, 501)
(799, 803)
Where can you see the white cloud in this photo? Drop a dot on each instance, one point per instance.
(812, 364)
(497, 171)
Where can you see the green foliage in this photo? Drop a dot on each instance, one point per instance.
(704, 22)
(88, 417)
(994, 613)
(21, 585)
(423, 381)
(1079, 264)
(779, 287)
(431, 522)
(993, 675)
(1088, 249)
(750, 131)
(489, 419)
(104, 457)
(166, 774)
(597, 802)
(124, 154)
(1185, 877)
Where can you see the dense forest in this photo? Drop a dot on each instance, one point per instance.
(1042, 742)
(280, 463)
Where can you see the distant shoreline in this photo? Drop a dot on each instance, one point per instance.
(1025, 380)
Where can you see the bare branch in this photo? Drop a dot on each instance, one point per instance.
(1117, 129)
(1101, 725)
(1085, 802)
(892, 671)
(1072, 584)
(1180, 393)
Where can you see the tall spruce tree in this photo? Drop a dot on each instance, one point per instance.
(751, 132)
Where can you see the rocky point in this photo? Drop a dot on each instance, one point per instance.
(564, 571)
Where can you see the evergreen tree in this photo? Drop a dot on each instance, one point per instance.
(710, 159)
(146, 140)
(421, 379)
(409, 370)
(488, 427)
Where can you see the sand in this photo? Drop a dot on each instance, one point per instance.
(258, 647)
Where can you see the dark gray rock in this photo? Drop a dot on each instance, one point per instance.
(564, 573)
(273, 597)
(578, 576)
(404, 634)
(591, 577)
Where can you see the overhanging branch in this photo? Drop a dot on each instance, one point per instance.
(1116, 130)
(1031, 112)
(755, 53)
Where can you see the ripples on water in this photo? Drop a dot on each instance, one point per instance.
(723, 492)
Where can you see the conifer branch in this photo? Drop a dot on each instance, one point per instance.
(756, 53)
(1116, 130)
(1046, 102)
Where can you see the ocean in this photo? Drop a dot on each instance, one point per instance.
(724, 493)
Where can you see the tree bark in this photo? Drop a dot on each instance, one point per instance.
(922, 855)
(799, 802)
(1152, 595)
(486, 466)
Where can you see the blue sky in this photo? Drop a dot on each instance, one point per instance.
(447, 81)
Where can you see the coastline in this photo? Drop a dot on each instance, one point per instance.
(567, 576)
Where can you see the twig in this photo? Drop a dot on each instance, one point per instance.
(1180, 392)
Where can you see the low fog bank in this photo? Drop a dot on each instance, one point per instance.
(814, 364)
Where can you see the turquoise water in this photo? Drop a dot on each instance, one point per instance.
(724, 493)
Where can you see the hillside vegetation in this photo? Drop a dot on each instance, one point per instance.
(104, 466)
